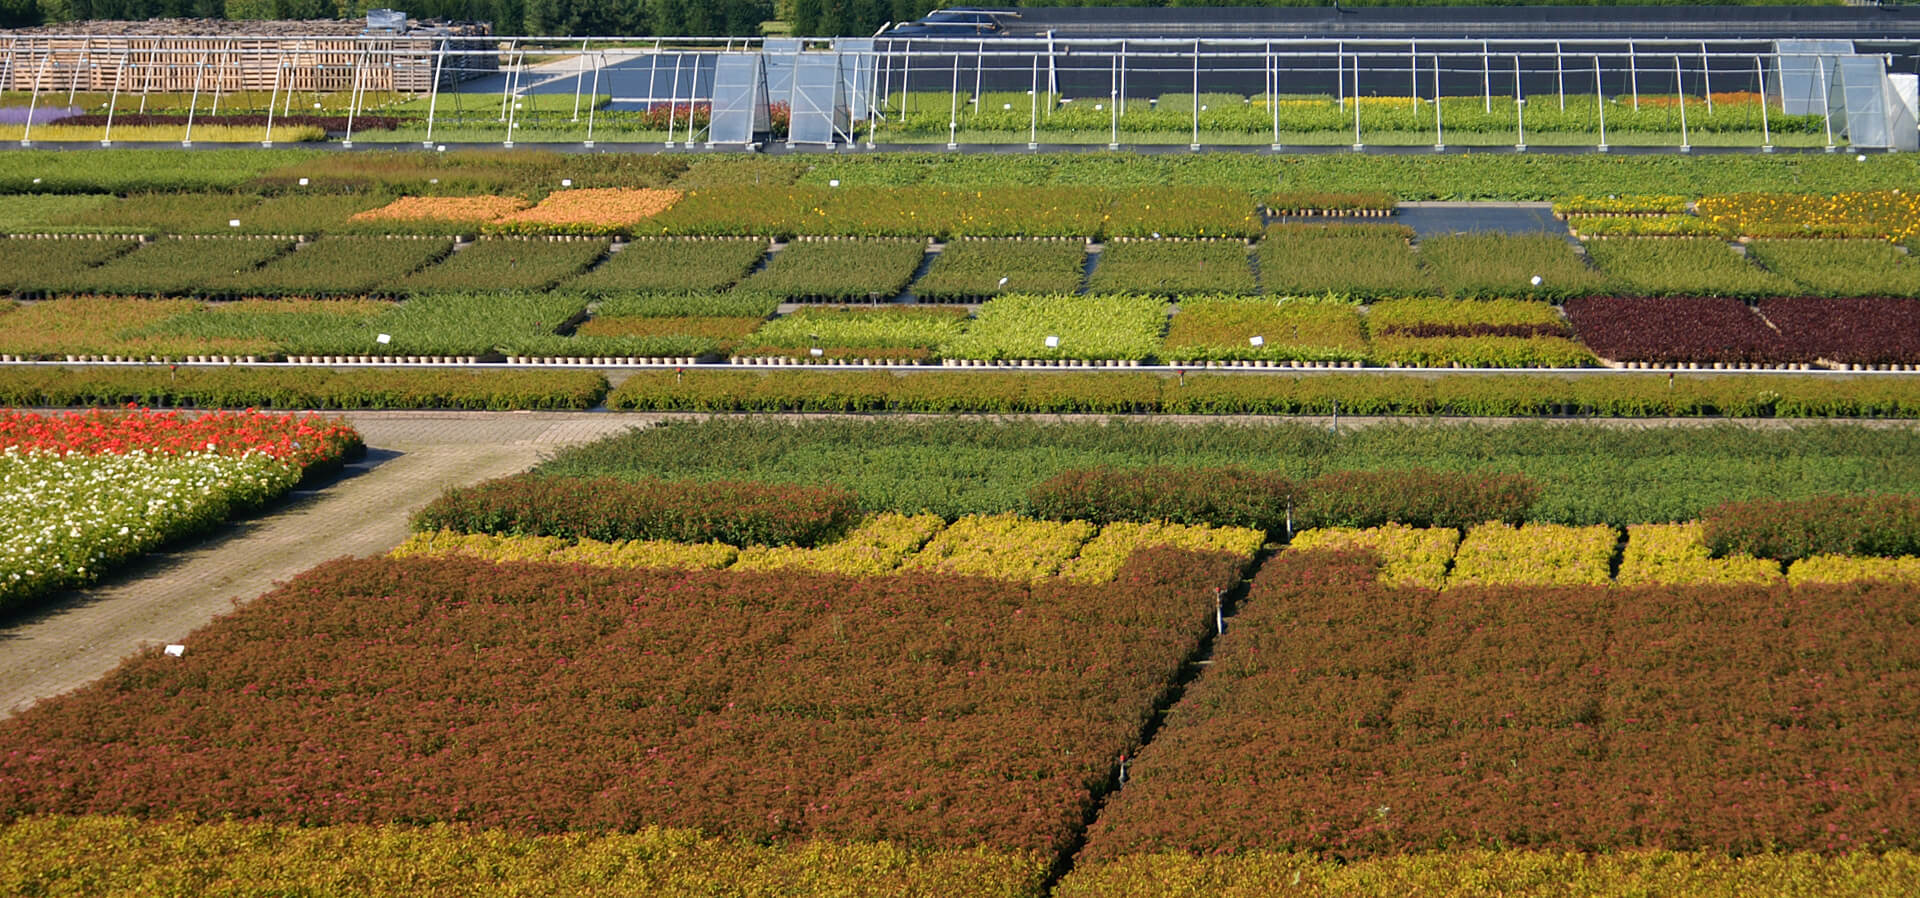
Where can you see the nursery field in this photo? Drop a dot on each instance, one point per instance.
(852, 609)
(967, 669)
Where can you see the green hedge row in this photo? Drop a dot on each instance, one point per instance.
(1239, 497)
(304, 388)
(1504, 395)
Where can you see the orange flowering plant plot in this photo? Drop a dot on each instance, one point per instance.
(605, 210)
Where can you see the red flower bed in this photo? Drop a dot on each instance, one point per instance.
(1854, 331)
(306, 440)
(1638, 329)
(937, 711)
(608, 509)
(1356, 720)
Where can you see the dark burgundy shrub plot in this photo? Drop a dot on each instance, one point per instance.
(931, 710)
(609, 509)
(1638, 329)
(1852, 331)
(1792, 529)
(1355, 720)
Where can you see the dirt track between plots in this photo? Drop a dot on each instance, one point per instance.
(411, 458)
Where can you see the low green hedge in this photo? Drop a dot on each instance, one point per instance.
(303, 388)
(1112, 392)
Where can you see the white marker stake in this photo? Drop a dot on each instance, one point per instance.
(1536, 280)
(834, 183)
(1053, 342)
(384, 339)
(1003, 282)
(566, 182)
(233, 222)
(176, 650)
(1257, 340)
(303, 182)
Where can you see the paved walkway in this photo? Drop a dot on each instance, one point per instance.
(411, 458)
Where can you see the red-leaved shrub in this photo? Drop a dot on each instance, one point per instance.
(608, 509)
(1792, 529)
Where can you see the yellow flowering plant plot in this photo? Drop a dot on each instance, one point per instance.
(1002, 546)
(1497, 554)
(638, 553)
(1410, 556)
(1101, 558)
(1853, 568)
(1677, 555)
(875, 547)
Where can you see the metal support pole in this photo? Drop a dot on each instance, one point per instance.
(1560, 74)
(1113, 103)
(1706, 77)
(1033, 112)
(433, 90)
(1486, 76)
(1123, 78)
(1519, 109)
(1340, 72)
(599, 59)
(33, 102)
(1413, 72)
(1053, 71)
(673, 103)
(579, 75)
(273, 99)
(113, 100)
(218, 81)
(1633, 74)
(1600, 103)
(6, 65)
(906, 74)
(653, 74)
(1681, 96)
(353, 96)
(506, 83)
(953, 106)
(873, 102)
(1195, 146)
(883, 89)
(1357, 144)
(1826, 102)
(979, 60)
(1766, 131)
(73, 84)
(192, 105)
(1273, 93)
(1439, 135)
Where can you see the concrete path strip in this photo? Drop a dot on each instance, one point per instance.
(411, 458)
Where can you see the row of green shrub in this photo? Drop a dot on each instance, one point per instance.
(1492, 395)
(1509, 176)
(305, 388)
(1238, 497)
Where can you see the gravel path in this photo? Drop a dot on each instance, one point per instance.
(411, 457)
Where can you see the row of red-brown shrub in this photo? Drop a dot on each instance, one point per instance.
(1669, 330)
(1237, 497)
(609, 509)
(929, 710)
(1352, 719)
(1792, 529)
